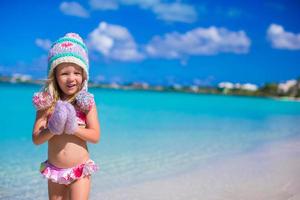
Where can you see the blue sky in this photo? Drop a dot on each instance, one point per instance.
(160, 42)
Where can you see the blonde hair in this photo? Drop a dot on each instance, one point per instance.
(51, 86)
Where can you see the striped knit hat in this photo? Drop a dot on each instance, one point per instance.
(69, 49)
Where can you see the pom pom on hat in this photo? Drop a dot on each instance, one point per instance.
(85, 101)
(42, 100)
(69, 49)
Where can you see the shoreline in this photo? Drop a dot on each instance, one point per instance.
(269, 172)
(168, 89)
(293, 99)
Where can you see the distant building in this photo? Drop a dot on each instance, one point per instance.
(20, 78)
(249, 86)
(177, 86)
(145, 85)
(140, 85)
(228, 85)
(114, 85)
(194, 88)
(285, 87)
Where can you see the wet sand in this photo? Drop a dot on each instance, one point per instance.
(270, 172)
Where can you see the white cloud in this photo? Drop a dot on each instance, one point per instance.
(177, 12)
(199, 41)
(143, 4)
(114, 42)
(171, 12)
(115, 4)
(43, 43)
(73, 9)
(104, 4)
(280, 39)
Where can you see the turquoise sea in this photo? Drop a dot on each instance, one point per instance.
(144, 135)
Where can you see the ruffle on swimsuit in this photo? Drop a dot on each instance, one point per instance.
(67, 175)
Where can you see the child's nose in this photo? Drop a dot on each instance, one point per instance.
(71, 77)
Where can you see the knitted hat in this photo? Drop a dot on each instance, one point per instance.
(69, 49)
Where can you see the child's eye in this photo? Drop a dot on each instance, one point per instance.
(78, 73)
(64, 73)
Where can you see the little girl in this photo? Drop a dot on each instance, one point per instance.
(67, 118)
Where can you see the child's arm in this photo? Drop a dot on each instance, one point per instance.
(92, 131)
(40, 133)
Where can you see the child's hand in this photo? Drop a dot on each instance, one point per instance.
(57, 121)
(71, 123)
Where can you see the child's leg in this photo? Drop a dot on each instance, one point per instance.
(57, 191)
(80, 189)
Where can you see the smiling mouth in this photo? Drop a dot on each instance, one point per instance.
(71, 86)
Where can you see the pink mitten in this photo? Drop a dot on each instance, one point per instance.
(57, 121)
(85, 101)
(71, 123)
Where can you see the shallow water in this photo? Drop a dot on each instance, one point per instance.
(144, 135)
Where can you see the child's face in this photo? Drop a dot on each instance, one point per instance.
(69, 78)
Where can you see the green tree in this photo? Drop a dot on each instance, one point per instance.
(269, 89)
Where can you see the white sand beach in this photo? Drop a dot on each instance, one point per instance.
(268, 173)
